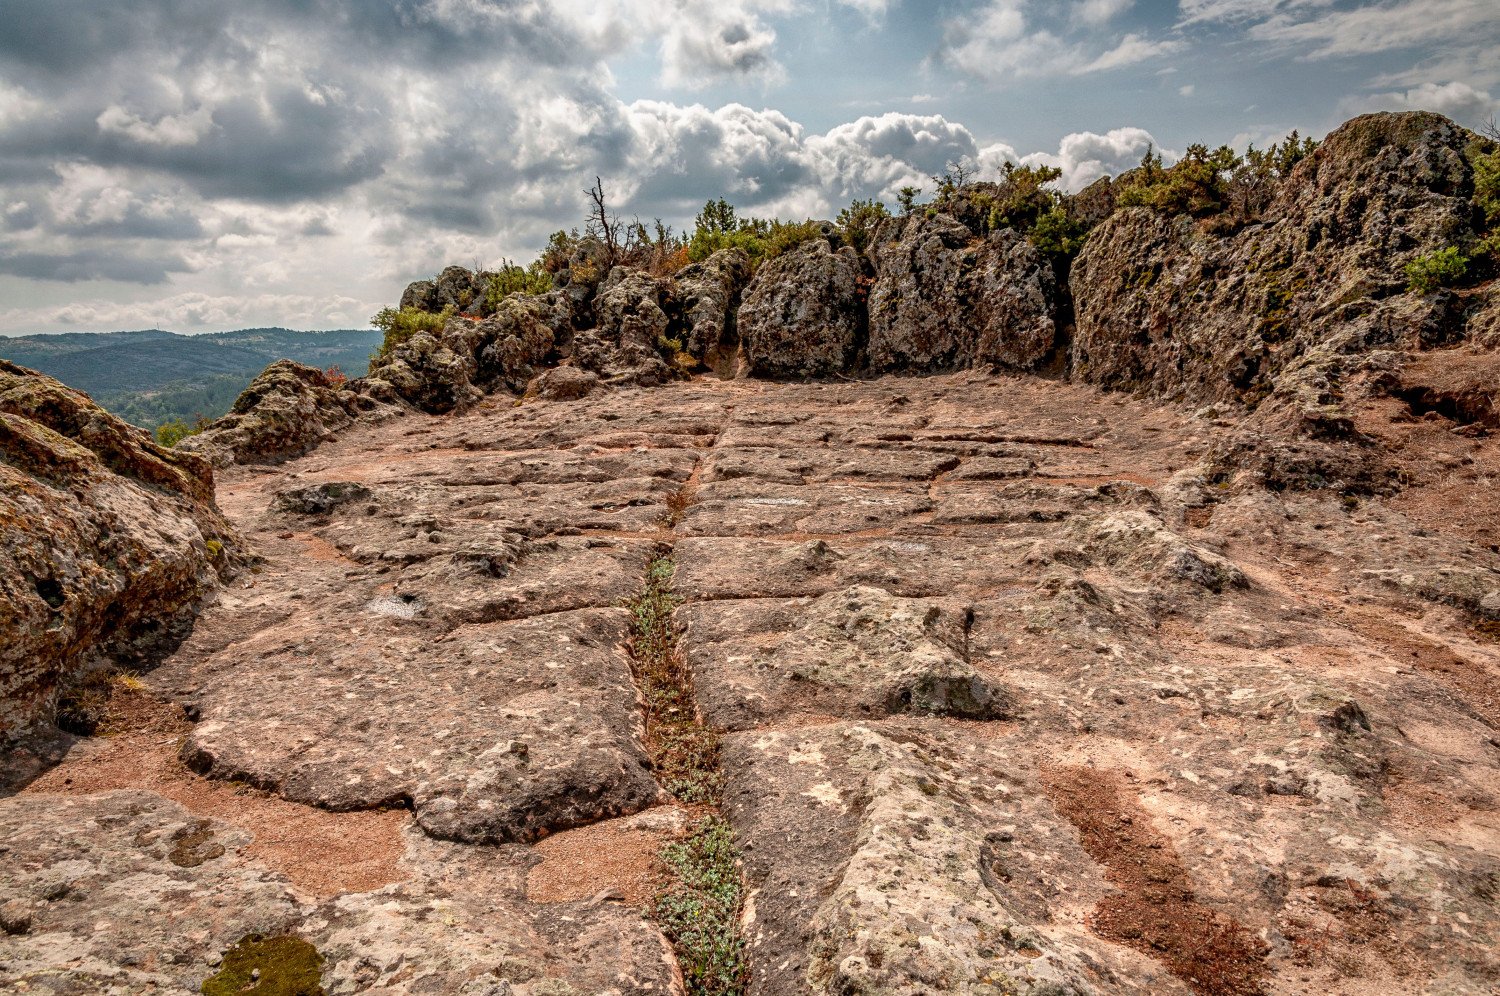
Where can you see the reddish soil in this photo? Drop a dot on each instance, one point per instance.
(615, 859)
(1156, 911)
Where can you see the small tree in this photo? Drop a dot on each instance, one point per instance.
(858, 221)
(906, 198)
(717, 217)
(958, 175)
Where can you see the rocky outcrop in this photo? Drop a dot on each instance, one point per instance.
(285, 412)
(515, 343)
(431, 371)
(456, 287)
(708, 297)
(633, 332)
(944, 299)
(456, 366)
(803, 314)
(110, 543)
(1288, 305)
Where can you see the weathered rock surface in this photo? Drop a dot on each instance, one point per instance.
(126, 893)
(708, 298)
(456, 287)
(286, 411)
(802, 315)
(1291, 304)
(111, 542)
(1015, 696)
(943, 299)
(627, 343)
(855, 652)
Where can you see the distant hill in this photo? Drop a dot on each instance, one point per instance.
(150, 377)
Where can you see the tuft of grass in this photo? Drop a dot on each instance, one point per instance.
(83, 702)
(700, 911)
(268, 966)
(684, 753)
(678, 502)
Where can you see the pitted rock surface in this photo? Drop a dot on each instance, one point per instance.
(116, 904)
(944, 299)
(110, 543)
(1018, 693)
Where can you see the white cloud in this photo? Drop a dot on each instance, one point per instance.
(874, 10)
(1086, 156)
(1457, 100)
(1095, 12)
(1201, 11)
(1187, 91)
(194, 310)
(1130, 50)
(1379, 28)
(1006, 39)
(167, 130)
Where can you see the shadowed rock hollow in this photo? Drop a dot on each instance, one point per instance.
(1016, 684)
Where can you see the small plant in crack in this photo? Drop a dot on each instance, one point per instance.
(683, 752)
(700, 910)
(678, 503)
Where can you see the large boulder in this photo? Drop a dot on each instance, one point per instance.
(632, 330)
(285, 412)
(707, 298)
(803, 315)
(456, 287)
(110, 541)
(1165, 306)
(945, 299)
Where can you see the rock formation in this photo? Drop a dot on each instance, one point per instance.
(111, 543)
(943, 299)
(1146, 644)
(285, 412)
(802, 315)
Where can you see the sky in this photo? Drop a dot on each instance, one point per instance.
(201, 166)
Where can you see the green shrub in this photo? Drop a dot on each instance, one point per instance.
(173, 432)
(1205, 183)
(1487, 248)
(719, 227)
(1440, 268)
(1058, 234)
(906, 199)
(512, 279)
(401, 325)
(1023, 197)
(1487, 186)
(857, 222)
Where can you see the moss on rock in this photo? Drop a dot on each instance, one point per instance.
(268, 966)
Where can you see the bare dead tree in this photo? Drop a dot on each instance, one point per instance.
(601, 225)
(1490, 129)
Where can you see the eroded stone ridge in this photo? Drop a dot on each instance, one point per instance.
(110, 543)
